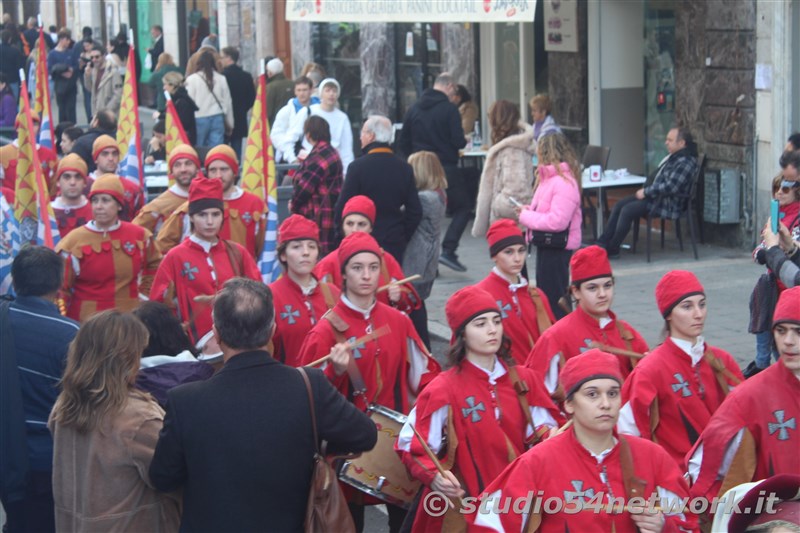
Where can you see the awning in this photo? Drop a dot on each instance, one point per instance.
(411, 10)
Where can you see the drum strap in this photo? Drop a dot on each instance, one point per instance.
(634, 486)
(339, 327)
(522, 391)
(627, 337)
(722, 374)
(327, 295)
(542, 320)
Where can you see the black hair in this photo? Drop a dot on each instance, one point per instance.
(463, 94)
(106, 120)
(232, 52)
(37, 271)
(304, 80)
(167, 336)
(160, 126)
(244, 314)
(790, 158)
(686, 136)
(794, 138)
(73, 132)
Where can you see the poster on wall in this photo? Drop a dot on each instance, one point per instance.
(411, 10)
(561, 25)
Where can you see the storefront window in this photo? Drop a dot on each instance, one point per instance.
(336, 48)
(659, 50)
(418, 52)
(507, 59)
(202, 18)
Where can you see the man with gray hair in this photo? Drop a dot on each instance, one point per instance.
(279, 89)
(389, 182)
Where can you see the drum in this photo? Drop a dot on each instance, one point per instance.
(379, 472)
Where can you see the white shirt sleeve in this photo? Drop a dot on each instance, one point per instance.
(435, 431)
(627, 423)
(697, 458)
(551, 377)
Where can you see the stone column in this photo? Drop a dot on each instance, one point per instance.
(378, 80)
(458, 54)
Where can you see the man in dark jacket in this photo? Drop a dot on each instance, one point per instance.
(64, 71)
(389, 182)
(104, 123)
(11, 60)
(241, 85)
(241, 444)
(279, 89)
(433, 123)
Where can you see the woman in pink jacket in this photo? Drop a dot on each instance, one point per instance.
(555, 207)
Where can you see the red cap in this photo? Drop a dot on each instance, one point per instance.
(464, 305)
(110, 184)
(591, 364)
(502, 234)
(72, 163)
(788, 307)
(355, 243)
(183, 151)
(784, 487)
(298, 228)
(674, 287)
(589, 263)
(361, 205)
(101, 143)
(205, 194)
(223, 153)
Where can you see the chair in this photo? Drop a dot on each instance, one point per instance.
(594, 155)
(689, 211)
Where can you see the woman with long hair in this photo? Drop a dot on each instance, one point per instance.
(555, 208)
(209, 90)
(166, 63)
(173, 83)
(104, 432)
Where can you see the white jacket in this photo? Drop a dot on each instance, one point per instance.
(287, 130)
(208, 106)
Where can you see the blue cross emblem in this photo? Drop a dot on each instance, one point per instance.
(247, 217)
(289, 314)
(129, 247)
(472, 410)
(503, 309)
(782, 426)
(681, 386)
(357, 348)
(588, 343)
(189, 271)
(572, 496)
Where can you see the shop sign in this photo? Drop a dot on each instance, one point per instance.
(411, 10)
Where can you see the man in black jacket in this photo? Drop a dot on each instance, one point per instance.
(103, 123)
(241, 444)
(11, 60)
(241, 85)
(433, 123)
(389, 182)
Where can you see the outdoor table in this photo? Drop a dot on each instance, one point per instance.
(610, 179)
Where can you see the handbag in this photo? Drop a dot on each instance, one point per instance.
(549, 239)
(327, 508)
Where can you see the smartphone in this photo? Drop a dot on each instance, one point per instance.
(774, 215)
(514, 201)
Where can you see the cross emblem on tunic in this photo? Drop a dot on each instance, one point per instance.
(189, 272)
(289, 314)
(681, 386)
(128, 247)
(357, 348)
(588, 343)
(782, 426)
(571, 496)
(247, 217)
(472, 411)
(503, 309)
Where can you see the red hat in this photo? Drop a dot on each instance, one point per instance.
(101, 143)
(110, 184)
(788, 307)
(591, 364)
(298, 228)
(784, 487)
(361, 205)
(589, 263)
(223, 153)
(183, 151)
(205, 194)
(355, 243)
(502, 234)
(464, 305)
(72, 163)
(674, 287)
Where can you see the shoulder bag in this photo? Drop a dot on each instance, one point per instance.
(549, 239)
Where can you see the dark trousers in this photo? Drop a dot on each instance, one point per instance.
(459, 204)
(87, 103)
(396, 516)
(35, 513)
(552, 276)
(625, 212)
(419, 317)
(236, 144)
(66, 105)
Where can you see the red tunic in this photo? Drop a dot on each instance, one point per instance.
(562, 469)
(572, 336)
(295, 314)
(153, 215)
(9, 154)
(519, 314)
(188, 271)
(767, 406)
(69, 218)
(107, 270)
(683, 396)
(485, 425)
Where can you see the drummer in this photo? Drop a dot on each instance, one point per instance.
(591, 323)
(476, 404)
(300, 299)
(391, 369)
(525, 310)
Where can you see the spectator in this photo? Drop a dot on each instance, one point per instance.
(241, 84)
(58, 133)
(318, 182)
(63, 70)
(68, 138)
(466, 108)
(105, 432)
(793, 143)
(92, 74)
(52, 33)
(8, 104)
(316, 73)
(11, 60)
(103, 123)
(210, 41)
(108, 94)
(26, 447)
(165, 64)
(157, 147)
(781, 255)
(555, 207)
(543, 122)
(286, 133)
(508, 170)
(250, 487)
(184, 104)
(339, 123)
(209, 91)
(279, 89)
(82, 55)
(155, 51)
(434, 124)
(30, 35)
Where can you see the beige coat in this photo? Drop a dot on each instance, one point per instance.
(507, 172)
(100, 479)
(108, 94)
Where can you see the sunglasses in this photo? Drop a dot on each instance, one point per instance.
(788, 186)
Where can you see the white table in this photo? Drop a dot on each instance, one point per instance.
(608, 181)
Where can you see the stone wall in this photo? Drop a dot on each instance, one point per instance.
(376, 44)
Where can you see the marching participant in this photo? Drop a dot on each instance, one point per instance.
(245, 213)
(525, 310)
(591, 323)
(358, 214)
(672, 393)
(184, 165)
(388, 370)
(589, 469)
(109, 262)
(105, 153)
(71, 207)
(299, 298)
(753, 435)
(490, 410)
(201, 264)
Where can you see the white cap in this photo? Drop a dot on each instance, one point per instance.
(274, 66)
(331, 81)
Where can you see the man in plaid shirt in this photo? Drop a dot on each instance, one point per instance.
(674, 177)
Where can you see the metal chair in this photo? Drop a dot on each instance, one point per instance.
(594, 155)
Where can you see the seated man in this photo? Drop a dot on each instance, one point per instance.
(674, 176)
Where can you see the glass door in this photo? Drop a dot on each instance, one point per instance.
(659, 82)
(418, 49)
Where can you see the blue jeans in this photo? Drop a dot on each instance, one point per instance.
(210, 130)
(764, 349)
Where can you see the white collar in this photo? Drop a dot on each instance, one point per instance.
(695, 352)
(354, 307)
(606, 320)
(600, 457)
(176, 190)
(235, 194)
(58, 203)
(93, 227)
(513, 287)
(204, 244)
(497, 371)
(158, 360)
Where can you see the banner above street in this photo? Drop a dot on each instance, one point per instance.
(412, 10)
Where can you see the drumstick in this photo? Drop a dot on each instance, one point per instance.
(616, 351)
(432, 457)
(398, 282)
(377, 334)
(205, 298)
